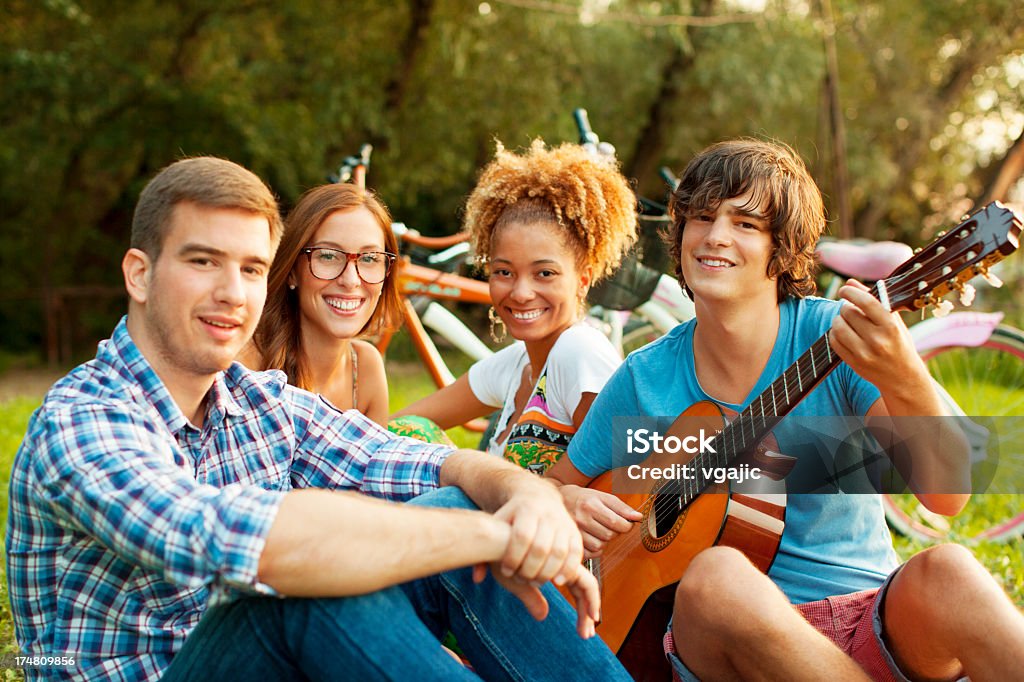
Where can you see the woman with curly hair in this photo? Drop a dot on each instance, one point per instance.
(545, 225)
(332, 280)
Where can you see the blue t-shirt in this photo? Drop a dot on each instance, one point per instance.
(833, 543)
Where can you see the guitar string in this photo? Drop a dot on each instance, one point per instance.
(819, 348)
(665, 501)
(692, 487)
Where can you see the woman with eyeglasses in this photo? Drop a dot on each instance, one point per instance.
(333, 280)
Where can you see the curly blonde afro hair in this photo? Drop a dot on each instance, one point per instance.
(583, 193)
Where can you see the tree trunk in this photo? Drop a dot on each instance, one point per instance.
(410, 48)
(945, 98)
(837, 136)
(908, 159)
(644, 159)
(1005, 173)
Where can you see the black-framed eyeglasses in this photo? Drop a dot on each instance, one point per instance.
(371, 266)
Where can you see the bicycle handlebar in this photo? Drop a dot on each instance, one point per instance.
(404, 234)
(669, 177)
(650, 207)
(586, 133)
(350, 163)
(364, 154)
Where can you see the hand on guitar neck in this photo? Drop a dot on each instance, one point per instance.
(876, 343)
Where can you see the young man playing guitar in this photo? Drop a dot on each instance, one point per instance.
(746, 217)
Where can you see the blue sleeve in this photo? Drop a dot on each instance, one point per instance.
(590, 450)
(861, 393)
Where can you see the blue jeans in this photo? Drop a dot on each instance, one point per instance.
(394, 634)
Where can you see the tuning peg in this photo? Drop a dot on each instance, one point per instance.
(942, 309)
(966, 294)
(991, 279)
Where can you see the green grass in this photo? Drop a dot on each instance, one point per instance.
(14, 416)
(408, 382)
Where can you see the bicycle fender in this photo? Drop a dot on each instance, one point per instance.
(956, 329)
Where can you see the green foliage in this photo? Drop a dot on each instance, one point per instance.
(102, 94)
(14, 416)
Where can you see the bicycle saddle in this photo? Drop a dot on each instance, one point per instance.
(861, 259)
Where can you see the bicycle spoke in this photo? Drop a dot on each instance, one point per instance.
(986, 381)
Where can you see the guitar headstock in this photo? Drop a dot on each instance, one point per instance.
(983, 239)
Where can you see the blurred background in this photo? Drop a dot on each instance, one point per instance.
(909, 112)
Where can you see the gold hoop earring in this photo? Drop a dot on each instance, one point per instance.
(492, 315)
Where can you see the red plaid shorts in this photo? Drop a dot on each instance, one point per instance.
(848, 620)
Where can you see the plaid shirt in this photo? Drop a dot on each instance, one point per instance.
(126, 520)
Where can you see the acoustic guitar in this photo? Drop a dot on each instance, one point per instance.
(638, 570)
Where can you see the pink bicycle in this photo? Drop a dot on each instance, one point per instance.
(978, 363)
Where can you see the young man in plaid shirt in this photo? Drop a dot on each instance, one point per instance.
(161, 481)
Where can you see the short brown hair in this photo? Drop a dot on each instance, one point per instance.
(206, 181)
(584, 194)
(778, 181)
(278, 336)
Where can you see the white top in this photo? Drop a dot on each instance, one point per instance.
(581, 361)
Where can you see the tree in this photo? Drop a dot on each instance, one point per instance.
(103, 94)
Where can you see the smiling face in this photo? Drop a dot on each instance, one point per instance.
(535, 281)
(725, 251)
(201, 299)
(341, 307)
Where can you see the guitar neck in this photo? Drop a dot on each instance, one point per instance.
(779, 399)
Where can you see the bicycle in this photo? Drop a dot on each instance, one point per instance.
(427, 276)
(639, 302)
(978, 363)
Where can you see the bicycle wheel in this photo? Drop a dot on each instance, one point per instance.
(637, 334)
(985, 381)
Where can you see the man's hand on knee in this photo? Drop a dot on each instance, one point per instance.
(544, 543)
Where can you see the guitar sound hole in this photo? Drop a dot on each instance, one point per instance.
(665, 512)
